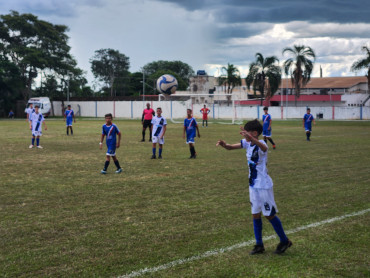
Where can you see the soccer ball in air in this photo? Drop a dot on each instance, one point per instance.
(167, 84)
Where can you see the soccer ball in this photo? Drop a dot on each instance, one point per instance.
(167, 84)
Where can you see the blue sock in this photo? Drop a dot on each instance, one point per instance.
(278, 227)
(37, 141)
(33, 141)
(154, 150)
(160, 152)
(257, 224)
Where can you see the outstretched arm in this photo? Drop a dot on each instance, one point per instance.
(226, 146)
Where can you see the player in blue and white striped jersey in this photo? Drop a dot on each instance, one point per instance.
(261, 193)
(111, 131)
(307, 123)
(36, 119)
(159, 126)
(29, 111)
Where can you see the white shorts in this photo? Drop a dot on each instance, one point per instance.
(156, 139)
(36, 133)
(262, 200)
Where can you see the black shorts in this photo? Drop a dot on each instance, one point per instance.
(147, 123)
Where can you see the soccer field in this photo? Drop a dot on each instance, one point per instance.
(60, 217)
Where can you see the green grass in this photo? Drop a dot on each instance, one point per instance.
(60, 217)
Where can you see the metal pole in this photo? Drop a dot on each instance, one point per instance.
(143, 86)
(68, 92)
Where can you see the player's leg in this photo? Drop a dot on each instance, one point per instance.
(154, 148)
(257, 221)
(265, 138)
(160, 150)
(206, 123)
(203, 123)
(71, 129)
(269, 210)
(116, 162)
(192, 150)
(106, 164)
(67, 130)
(32, 142)
(38, 142)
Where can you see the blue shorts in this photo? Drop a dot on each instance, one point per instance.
(190, 139)
(69, 122)
(266, 132)
(308, 127)
(111, 151)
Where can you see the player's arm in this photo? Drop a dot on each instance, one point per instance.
(119, 140)
(45, 127)
(30, 123)
(64, 116)
(74, 118)
(255, 141)
(314, 122)
(270, 125)
(303, 121)
(101, 141)
(164, 131)
(198, 131)
(142, 118)
(226, 146)
(183, 133)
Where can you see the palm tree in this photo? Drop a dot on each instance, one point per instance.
(363, 64)
(264, 68)
(301, 66)
(230, 77)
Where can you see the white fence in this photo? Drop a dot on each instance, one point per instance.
(177, 110)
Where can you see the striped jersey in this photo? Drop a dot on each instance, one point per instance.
(158, 126)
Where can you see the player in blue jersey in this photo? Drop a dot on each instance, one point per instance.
(159, 127)
(261, 193)
(191, 129)
(69, 117)
(307, 123)
(36, 119)
(111, 131)
(266, 118)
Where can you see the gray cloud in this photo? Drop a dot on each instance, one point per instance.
(233, 11)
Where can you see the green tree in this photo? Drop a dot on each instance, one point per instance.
(301, 66)
(230, 78)
(107, 65)
(264, 68)
(363, 64)
(181, 69)
(34, 45)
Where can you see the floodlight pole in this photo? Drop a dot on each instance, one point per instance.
(143, 85)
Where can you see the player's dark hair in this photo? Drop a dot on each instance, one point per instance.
(308, 108)
(159, 108)
(189, 110)
(254, 125)
(109, 115)
(265, 108)
(68, 105)
(36, 106)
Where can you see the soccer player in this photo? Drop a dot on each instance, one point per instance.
(29, 111)
(111, 131)
(191, 129)
(146, 121)
(266, 118)
(159, 126)
(307, 123)
(69, 116)
(205, 111)
(11, 114)
(36, 119)
(261, 193)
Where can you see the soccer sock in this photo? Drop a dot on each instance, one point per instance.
(150, 135)
(71, 131)
(278, 227)
(160, 152)
(33, 141)
(257, 225)
(265, 140)
(309, 135)
(154, 150)
(67, 130)
(106, 165)
(143, 134)
(206, 123)
(192, 151)
(37, 141)
(117, 164)
(271, 141)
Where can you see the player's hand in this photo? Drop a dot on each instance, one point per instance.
(269, 128)
(46, 128)
(74, 121)
(101, 146)
(198, 135)
(246, 134)
(183, 137)
(221, 143)
(117, 146)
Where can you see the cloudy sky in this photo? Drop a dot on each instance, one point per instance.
(208, 34)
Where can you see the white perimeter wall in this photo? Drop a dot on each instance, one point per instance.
(133, 110)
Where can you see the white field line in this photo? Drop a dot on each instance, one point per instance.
(216, 252)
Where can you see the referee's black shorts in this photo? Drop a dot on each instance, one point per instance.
(147, 123)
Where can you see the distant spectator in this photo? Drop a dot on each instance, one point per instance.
(11, 114)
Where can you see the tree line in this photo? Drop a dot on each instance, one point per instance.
(36, 60)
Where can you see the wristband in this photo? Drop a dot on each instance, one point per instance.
(100, 143)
